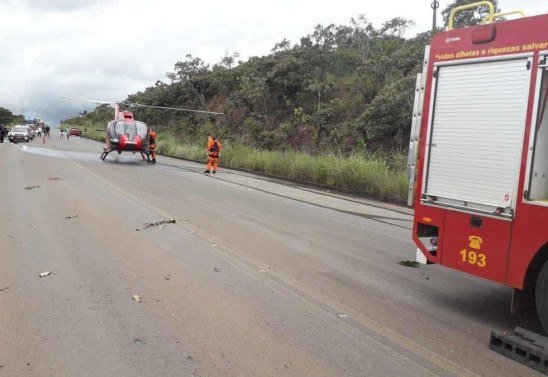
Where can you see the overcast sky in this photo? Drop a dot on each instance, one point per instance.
(107, 49)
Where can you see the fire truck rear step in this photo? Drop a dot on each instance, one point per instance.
(523, 346)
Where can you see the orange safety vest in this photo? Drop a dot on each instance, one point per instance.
(214, 148)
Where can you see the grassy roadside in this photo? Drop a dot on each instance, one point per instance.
(95, 134)
(358, 173)
(373, 174)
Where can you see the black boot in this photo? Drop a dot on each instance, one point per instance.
(206, 171)
(153, 161)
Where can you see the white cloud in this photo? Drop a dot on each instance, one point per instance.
(107, 49)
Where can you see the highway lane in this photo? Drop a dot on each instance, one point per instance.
(255, 278)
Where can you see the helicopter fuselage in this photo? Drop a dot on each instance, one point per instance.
(126, 134)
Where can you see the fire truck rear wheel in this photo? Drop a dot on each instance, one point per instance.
(541, 296)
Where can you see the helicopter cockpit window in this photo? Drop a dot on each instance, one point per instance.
(141, 129)
(119, 128)
(125, 128)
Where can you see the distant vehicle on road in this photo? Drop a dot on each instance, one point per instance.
(32, 124)
(20, 133)
(74, 132)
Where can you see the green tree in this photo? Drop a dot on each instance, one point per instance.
(387, 120)
(469, 17)
(5, 116)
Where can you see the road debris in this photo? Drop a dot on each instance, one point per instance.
(158, 223)
(268, 266)
(426, 277)
(44, 274)
(160, 227)
(409, 263)
(167, 277)
(54, 178)
(342, 315)
(71, 217)
(261, 270)
(213, 245)
(137, 298)
(140, 341)
(4, 289)
(31, 187)
(216, 269)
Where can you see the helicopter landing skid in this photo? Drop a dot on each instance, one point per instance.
(145, 156)
(106, 151)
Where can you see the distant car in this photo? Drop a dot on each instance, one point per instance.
(74, 132)
(20, 133)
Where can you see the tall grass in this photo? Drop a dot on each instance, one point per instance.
(371, 174)
(95, 134)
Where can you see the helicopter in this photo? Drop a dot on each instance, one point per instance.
(125, 134)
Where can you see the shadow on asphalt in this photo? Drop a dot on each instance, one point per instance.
(492, 308)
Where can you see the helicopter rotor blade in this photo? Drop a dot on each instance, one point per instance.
(171, 108)
(141, 105)
(91, 100)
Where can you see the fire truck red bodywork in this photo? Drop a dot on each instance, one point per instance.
(508, 244)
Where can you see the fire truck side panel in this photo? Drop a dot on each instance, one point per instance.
(477, 245)
(475, 240)
(529, 236)
(530, 231)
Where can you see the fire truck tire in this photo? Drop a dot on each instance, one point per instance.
(541, 296)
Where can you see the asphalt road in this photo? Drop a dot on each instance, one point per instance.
(255, 278)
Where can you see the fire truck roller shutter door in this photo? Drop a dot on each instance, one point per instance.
(476, 134)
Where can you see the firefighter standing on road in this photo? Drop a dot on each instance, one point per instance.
(152, 144)
(213, 151)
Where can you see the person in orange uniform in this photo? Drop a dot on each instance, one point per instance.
(152, 144)
(213, 151)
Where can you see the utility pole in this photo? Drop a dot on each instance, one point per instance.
(435, 5)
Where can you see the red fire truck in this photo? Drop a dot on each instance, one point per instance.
(478, 154)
